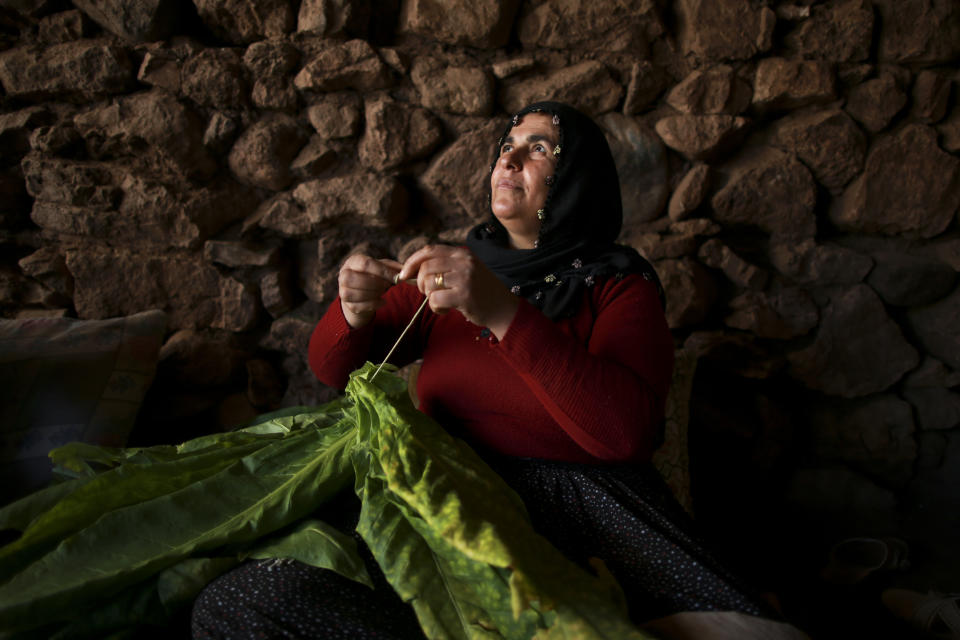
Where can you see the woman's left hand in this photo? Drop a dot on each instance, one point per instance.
(454, 278)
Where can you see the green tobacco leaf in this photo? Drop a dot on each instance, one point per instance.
(19, 514)
(251, 497)
(127, 485)
(447, 498)
(180, 584)
(318, 544)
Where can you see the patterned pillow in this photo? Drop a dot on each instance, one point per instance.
(672, 458)
(62, 380)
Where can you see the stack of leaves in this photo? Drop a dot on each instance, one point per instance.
(137, 533)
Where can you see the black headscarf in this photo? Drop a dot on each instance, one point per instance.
(576, 247)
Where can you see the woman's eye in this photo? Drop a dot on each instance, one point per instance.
(539, 148)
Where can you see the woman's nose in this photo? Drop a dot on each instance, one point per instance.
(511, 159)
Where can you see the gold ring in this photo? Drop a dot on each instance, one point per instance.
(438, 281)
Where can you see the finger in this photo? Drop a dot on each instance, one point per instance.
(442, 301)
(393, 267)
(362, 281)
(365, 264)
(412, 265)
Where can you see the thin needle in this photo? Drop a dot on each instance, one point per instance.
(402, 333)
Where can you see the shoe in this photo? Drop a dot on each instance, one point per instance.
(854, 559)
(935, 614)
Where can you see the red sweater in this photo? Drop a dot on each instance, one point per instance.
(584, 389)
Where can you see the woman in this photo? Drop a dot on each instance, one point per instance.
(544, 346)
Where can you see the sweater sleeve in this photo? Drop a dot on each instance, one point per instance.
(609, 394)
(336, 349)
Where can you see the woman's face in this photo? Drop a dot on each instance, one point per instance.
(518, 183)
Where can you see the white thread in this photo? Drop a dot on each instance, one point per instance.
(402, 333)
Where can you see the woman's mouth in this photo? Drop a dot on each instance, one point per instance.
(507, 184)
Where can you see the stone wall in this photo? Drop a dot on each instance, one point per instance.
(790, 167)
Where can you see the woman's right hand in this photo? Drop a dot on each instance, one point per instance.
(362, 282)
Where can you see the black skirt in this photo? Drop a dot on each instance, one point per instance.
(622, 514)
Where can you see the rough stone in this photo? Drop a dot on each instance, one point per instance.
(330, 18)
(931, 373)
(647, 81)
(690, 192)
(768, 189)
(875, 102)
(835, 32)
(718, 90)
(119, 282)
(221, 132)
(289, 334)
(873, 435)
(370, 199)
(476, 23)
(456, 184)
(937, 409)
(336, 115)
(231, 253)
(215, 78)
(790, 84)
(277, 94)
(935, 328)
(16, 130)
(397, 134)
(584, 24)
(89, 200)
(641, 162)
(722, 30)
(587, 86)
(931, 96)
(160, 69)
(827, 141)
(80, 71)
(949, 130)
(695, 227)
(276, 58)
(70, 182)
(316, 157)
(714, 253)
(350, 65)
(48, 266)
(654, 246)
(64, 26)
(319, 263)
(919, 31)
(60, 139)
(701, 137)
(807, 262)
(467, 90)
(781, 315)
(858, 349)
(150, 124)
(507, 68)
(906, 280)
(241, 22)
(276, 294)
(261, 157)
(692, 291)
(144, 21)
(191, 359)
(842, 500)
(908, 186)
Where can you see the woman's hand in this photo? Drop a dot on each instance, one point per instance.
(362, 282)
(467, 285)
